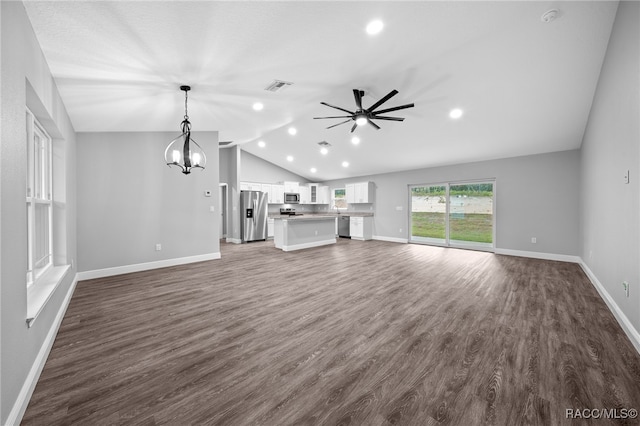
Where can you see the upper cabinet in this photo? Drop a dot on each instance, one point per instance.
(291, 187)
(360, 192)
(310, 193)
(305, 194)
(250, 186)
(277, 194)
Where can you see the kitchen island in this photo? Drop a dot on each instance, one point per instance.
(304, 231)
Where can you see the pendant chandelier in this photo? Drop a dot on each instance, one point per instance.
(183, 151)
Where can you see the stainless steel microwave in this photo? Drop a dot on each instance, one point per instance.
(291, 198)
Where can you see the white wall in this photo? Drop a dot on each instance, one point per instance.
(536, 196)
(129, 200)
(256, 169)
(26, 81)
(609, 206)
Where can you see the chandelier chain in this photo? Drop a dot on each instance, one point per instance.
(186, 116)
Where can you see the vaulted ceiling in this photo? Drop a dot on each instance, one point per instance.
(525, 86)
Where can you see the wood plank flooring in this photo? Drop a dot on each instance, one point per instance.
(360, 333)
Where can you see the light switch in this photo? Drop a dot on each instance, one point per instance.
(212, 209)
(626, 177)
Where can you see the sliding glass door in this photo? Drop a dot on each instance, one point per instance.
(429, 214)
(453, 214)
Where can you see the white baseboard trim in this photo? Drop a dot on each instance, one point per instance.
(127, 269)
(622, 319)
(309, 245)
(234, 240)
(539, 255)
(391, 239)
(20, 406)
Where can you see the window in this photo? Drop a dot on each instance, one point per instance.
(454, 214)
(39, 205)
(338, 198)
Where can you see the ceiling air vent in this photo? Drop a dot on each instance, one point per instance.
(277, 85)
(324, 143)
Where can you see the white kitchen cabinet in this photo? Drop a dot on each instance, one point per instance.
(360, 192)
(291, 187)
(266, 188)
(277, 194)
(323, 195)
(270, 227)
(305, 195)
(313, 193)
(350, 193)
(361, 228)
(250, 186)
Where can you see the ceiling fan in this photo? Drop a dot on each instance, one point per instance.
(361, 115)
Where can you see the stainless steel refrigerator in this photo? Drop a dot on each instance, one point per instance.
(254, 212)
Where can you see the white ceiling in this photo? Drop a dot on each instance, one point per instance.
(525, 86)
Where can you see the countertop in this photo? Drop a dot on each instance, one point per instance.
(319, 215)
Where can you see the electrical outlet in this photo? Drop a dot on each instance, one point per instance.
(158, 247)
(626, 177)
(534, 240)
(625, 285)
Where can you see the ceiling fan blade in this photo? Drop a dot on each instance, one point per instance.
(357, 94)
(383, 100)
(335, 116)
(377, 117)
(382, 111)
(341, 109)
(354, 127)
(373, 124)
(338, 124)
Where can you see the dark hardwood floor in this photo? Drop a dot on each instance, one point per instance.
(361, 333)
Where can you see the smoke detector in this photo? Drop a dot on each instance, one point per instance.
(549, 15)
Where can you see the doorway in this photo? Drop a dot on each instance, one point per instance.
(223, 203)
(460, 214)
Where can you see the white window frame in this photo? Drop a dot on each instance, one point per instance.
(39, 197)
(333, 198)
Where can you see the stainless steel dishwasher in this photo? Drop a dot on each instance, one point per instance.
(344, 224)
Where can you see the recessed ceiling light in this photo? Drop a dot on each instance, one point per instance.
(261, 144)
(292, 131)
(289, 158)
(258, 106)
(313, 170)
(455, 113)
(355, 140)
(374, 27)
(345, 164)
(324, 151)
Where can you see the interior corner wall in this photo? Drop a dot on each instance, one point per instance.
(125, 209)
(27, 82)
(536, 195)
(610, 207)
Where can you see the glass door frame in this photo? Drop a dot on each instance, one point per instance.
(447, 240)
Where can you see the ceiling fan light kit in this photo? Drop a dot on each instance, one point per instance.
(183, 152)
(363, 116)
